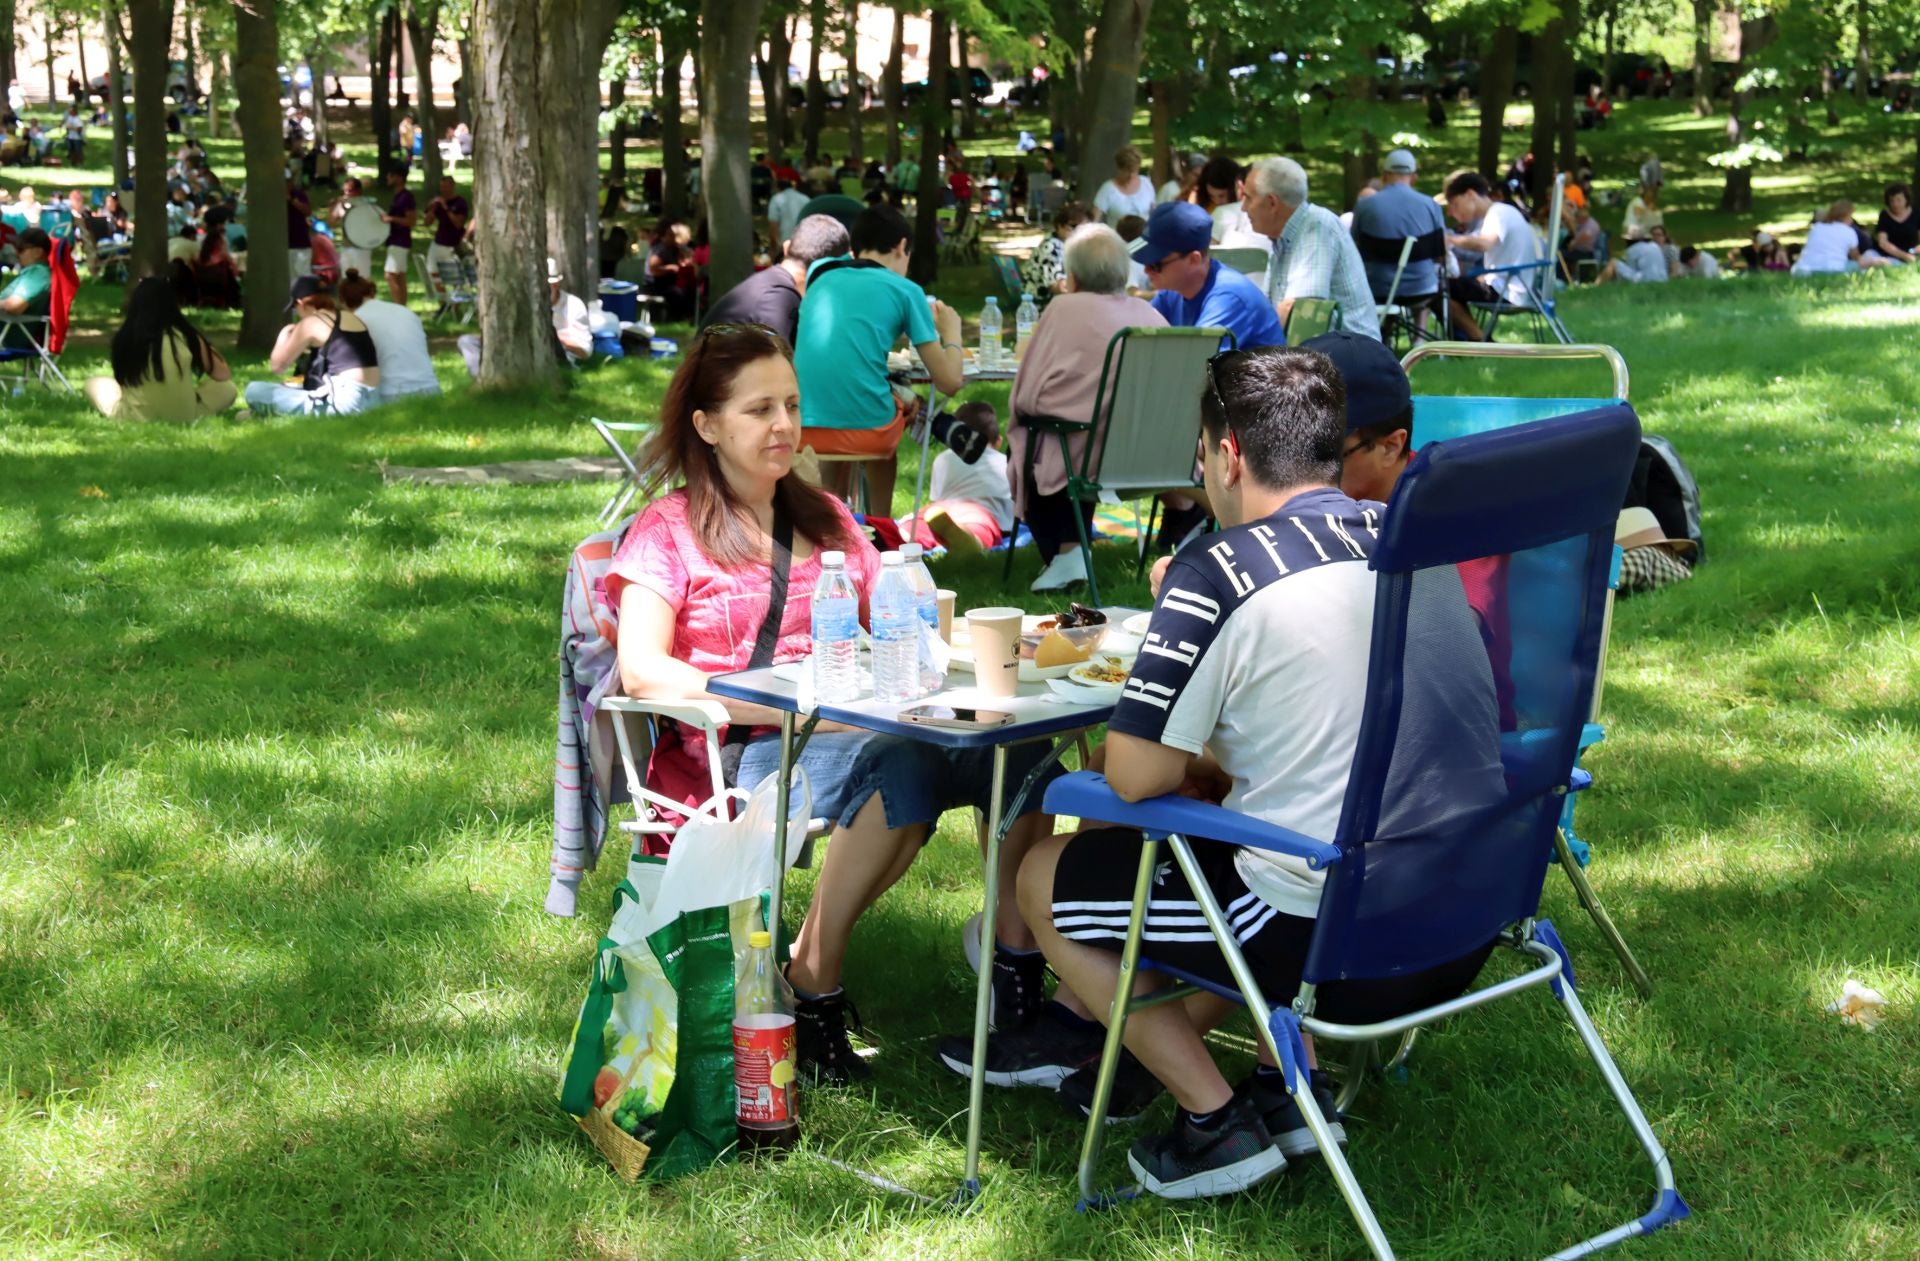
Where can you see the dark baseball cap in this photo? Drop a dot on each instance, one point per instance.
(305, 287)
(33, 239)
(1377, 389)
(1174, 227)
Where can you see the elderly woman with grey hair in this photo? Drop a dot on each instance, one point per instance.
(1059, 375)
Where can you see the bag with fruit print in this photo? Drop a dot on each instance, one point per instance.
(649, 1067)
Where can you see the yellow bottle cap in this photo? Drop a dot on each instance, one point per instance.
(759, 941)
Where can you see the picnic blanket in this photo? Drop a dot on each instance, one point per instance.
(573, 468)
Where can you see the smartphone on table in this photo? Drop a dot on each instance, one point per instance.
(964, 719)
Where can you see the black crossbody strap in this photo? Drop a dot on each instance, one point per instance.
(769, 637)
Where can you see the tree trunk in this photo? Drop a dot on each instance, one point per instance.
(856, 149)
(423, 26)
(773, 85)
(1567, 117)
(463, 87)
(923, 265)
(1166, 165)
(1862, 60)
(816, 91)
(1496, 89)
(1736, 196)
(216, 90)
(256, 79)
(1361, 161)
(190, 52)
(616, 104)
(46, 27)
(673, 154)
(80, 53)
(116, 85)
(1109, 98)
(318, 61)
(727, 30)
(150, 39)
(379, 85)
(1067, 32)
(1551, 82)
(1702, 58)
(573, 43)
(510, 238)
(8, 73)
(963, 77)
(890, 86)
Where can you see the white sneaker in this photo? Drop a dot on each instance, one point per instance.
(1065, 571)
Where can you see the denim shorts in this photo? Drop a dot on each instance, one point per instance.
(917, 782)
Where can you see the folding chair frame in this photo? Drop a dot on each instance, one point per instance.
(630, 474)
(1538, 276)
(42, 363)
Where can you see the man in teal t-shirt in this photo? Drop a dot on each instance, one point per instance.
(855, 310)
(30, 292)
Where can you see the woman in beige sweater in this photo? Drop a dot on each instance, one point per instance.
(163, 367)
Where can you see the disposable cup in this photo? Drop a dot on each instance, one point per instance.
(996, 649)
(946, 599)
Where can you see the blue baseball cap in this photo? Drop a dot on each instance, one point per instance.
(1174, 227)
(1377, 388)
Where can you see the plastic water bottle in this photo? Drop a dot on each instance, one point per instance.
(1023, 321)
(896, 634)
(836, 630)
(990, 334)
(764, 1052)
(926, 602)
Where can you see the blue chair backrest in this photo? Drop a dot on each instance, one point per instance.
(1436, 418)
(1448, 819)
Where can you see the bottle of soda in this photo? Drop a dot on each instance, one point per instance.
(764, 1052)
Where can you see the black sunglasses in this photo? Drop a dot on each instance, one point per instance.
(1213, 388)
(1152, 268)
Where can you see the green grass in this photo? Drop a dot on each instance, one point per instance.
(275, 743)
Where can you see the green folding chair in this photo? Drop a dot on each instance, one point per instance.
(1311, 317)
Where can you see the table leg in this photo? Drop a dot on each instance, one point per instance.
(983, 993)
(926, 449)
(783, 805)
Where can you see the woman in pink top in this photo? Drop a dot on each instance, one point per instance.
(1059, 376)
(693, 579)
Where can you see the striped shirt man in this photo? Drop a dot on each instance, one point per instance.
(1315, 257)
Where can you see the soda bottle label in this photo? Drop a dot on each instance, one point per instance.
(764, 1059)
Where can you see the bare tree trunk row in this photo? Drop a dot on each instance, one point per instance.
(1496, 89)
(510, 235)
(923, 264)
(151, 40)
(256, 79)
(116, 101)
(423, 26)
(1109, 97)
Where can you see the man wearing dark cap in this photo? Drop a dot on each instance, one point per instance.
(1378, 446)
(30, 292)
(771, 296)
(1193, 289)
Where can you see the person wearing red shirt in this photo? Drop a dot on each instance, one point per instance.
(961, 185)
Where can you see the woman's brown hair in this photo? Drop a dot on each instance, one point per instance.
(355, 289)
(677, 452)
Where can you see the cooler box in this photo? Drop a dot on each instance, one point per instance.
(622, 298)
(608, 344)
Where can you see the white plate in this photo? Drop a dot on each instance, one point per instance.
(1137, 625)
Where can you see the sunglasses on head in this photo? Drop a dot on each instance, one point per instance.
(1213, 388)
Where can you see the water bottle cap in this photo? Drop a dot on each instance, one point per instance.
(993, 302)
(759, 941)
(912, 551)
(891, 558)
(833, 560)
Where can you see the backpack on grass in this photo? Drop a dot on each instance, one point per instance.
(1664, 484)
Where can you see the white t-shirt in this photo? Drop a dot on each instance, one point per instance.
(1513, 243)
(1703, 265)
(983, 482)
(1826, 248)
(1257, 652)
(74, 125)
(1114, 205)
(406, 366)
(570, 320)
(1644, 263)
(784, 210)
(1168, 191)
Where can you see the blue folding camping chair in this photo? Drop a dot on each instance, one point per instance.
(1437, 418)
(1416, 878)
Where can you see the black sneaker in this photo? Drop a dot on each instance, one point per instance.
(1019, 989)
(820, 1034)
(1190, 1162)
(1282, 1115)
(1043, 1052)
(1134, 1090)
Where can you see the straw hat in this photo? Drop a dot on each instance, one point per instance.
(1638, 527)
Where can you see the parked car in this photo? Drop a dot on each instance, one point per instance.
(979, 86)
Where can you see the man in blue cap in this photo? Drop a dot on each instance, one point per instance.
(1193, 289)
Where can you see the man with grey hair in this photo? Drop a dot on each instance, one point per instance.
(1313, 255)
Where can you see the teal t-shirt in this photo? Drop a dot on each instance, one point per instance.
(35, 284)
(850, 317)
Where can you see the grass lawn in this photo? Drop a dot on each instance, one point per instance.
(275, 743)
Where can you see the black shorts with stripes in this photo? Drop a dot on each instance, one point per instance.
(1093, 897)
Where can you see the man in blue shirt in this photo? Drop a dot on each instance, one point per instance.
(1193, 289)
(1381, 225)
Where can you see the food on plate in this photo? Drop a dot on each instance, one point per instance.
(1055, 649)
(1102, 672)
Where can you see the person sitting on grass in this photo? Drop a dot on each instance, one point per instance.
(691, 580)
(30, 292)
(163, 367)
(406, 365)
(1897, 234)
(1833, 245)
(1644, 263)
(1259, 707)
(970, 508)
(1696, 262)
(572, 336)
(856, 308)
(342, 368)
(1058, 378)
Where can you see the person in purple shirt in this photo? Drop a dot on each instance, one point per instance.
(1192, 289)
(449, 213)
(299, 229)
(402, 214)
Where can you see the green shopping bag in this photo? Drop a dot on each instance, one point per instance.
(649, 1066)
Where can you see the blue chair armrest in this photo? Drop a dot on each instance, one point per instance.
(1085, 795)
(1536, 265)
